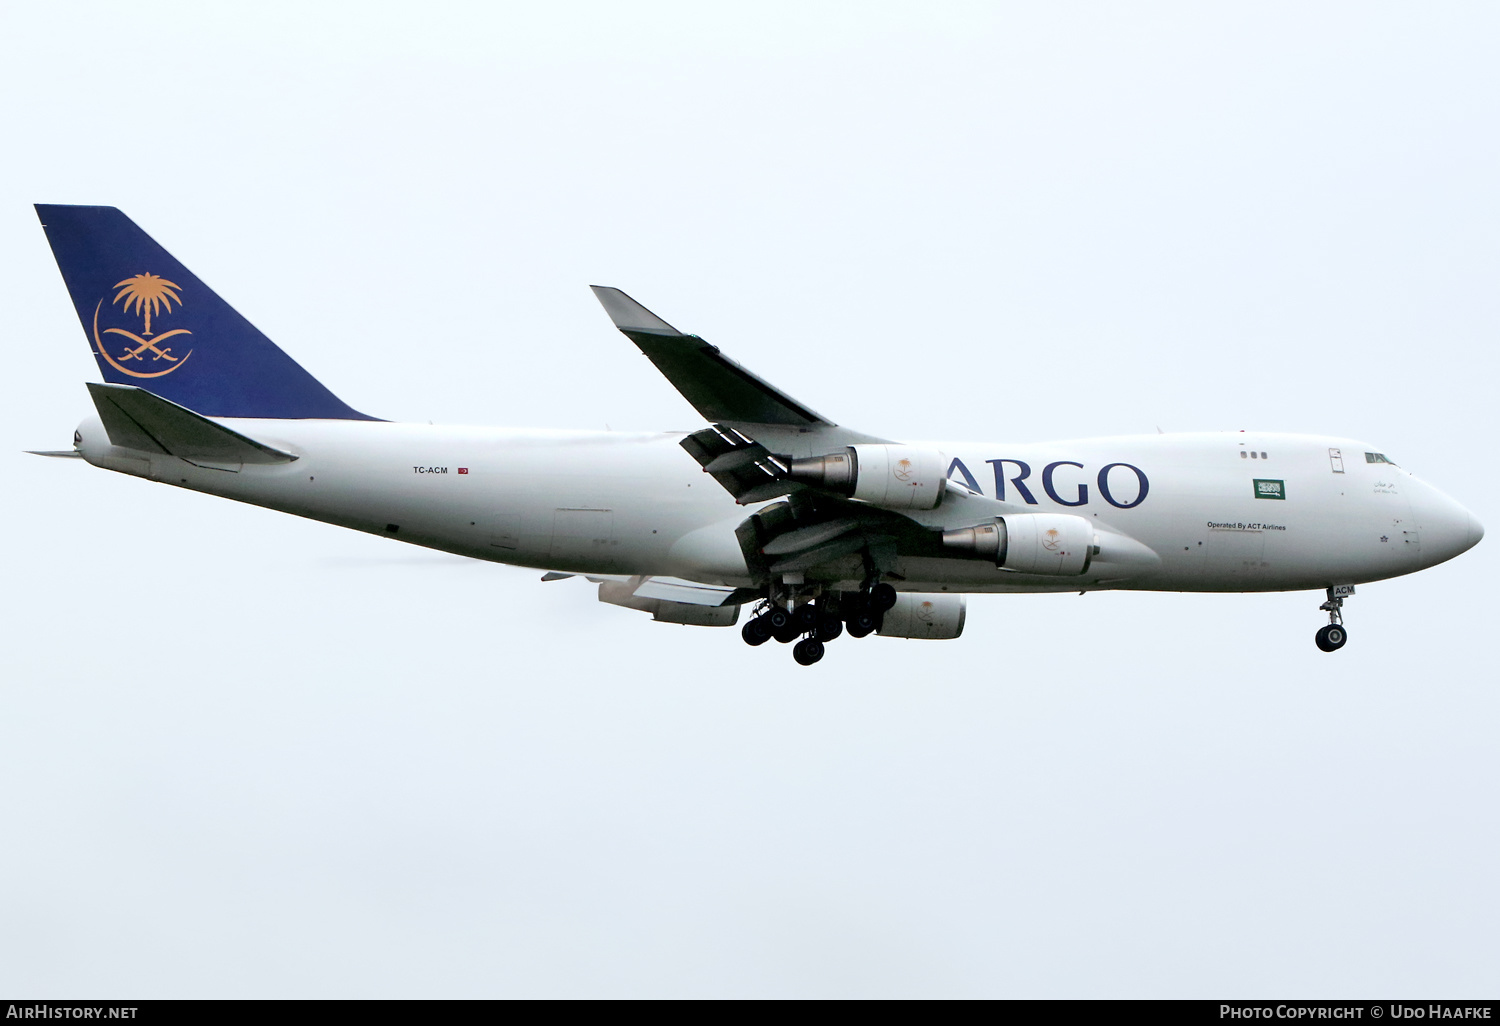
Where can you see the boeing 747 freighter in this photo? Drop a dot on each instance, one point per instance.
(822, 529)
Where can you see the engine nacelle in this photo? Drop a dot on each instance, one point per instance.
(935, 617)
(890, 476)
(1049, 544)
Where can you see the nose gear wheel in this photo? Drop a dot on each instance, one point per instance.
(1333, 637)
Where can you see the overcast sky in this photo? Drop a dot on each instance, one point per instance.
(248, 755)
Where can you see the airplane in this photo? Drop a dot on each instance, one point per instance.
(822, 529)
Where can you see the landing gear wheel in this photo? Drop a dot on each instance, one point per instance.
(778, 618)
(806, 616)
(787, 632)
(1332, 637)
(757, 631)
(808, 651)
(829, 628)
(882, 597)
(861, 624)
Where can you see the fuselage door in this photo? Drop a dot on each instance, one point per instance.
(1235, 552)
(583, 540)
(1336, 460)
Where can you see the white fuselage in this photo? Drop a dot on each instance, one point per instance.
(636, 504)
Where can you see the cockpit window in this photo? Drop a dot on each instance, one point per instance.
(1377, 457)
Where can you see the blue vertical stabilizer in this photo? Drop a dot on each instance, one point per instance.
(152, 324)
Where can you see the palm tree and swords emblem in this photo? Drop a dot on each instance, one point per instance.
(147, 295)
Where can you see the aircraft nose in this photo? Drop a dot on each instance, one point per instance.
(1445, 527)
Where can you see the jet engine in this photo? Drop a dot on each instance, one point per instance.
(1050, 544)
(935, 617)
(891, 476)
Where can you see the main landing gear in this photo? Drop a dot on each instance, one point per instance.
(1332, 637)
(807, 651)
(821, 621)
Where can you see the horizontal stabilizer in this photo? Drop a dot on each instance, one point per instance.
(136, 419)
(718, 388)
(61, 454)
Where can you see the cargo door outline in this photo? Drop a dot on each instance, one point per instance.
(1235, 553)
(583, 537)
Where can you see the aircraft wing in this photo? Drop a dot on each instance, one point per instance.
(744, 467)
(720, 389)
(755, 431)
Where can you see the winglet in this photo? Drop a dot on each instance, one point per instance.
(629, 315)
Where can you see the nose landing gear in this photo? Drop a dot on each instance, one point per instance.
(1332, 637)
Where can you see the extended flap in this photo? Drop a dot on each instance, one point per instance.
(675, 589)
(747, 470)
